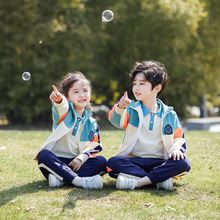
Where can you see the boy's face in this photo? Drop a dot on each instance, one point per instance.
(79, 94)
(142, 89)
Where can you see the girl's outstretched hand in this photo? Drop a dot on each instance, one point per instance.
(124, 101)
(56, 96)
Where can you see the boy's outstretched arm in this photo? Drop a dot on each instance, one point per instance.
(115, 114)
(124, 101)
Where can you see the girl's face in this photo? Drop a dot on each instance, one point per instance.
(79, 94)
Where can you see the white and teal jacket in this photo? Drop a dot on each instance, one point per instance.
(131, 119)
(65, 121)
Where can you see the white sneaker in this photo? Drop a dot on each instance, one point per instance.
(92, 182)
(130, 176)
(124, 182)
(53, 181)
(167, 184)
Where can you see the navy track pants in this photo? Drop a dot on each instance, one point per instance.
(50, 163)
(156, 169)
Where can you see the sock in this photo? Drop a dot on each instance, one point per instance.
(143, 181)
(77, 181)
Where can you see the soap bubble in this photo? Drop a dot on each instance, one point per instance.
(107, 15)
(26, 76)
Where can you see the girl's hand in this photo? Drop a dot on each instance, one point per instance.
(75, 164)
(177, 155)
(56, 96)
(124, 101)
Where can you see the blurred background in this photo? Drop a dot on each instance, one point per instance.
(51, 38)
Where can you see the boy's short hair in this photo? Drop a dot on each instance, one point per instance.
(154, 72)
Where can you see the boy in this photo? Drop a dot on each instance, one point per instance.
(153, 148)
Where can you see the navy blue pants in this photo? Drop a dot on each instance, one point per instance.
(156, 169)
(50, 163)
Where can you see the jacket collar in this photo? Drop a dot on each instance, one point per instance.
(86, 112)
(164, 108)
(146, 111)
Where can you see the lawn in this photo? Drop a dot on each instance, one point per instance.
(24, 193)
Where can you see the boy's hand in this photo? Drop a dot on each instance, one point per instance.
(75, 164)
(177, 155)
(56, 96)
(124, 101)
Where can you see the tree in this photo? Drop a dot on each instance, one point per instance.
(209, 53)
(166, 31)
(50, 38)
(34, 41)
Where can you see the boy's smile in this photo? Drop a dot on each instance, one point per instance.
(137, 94)
(142, 89)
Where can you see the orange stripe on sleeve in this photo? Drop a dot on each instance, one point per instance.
(111, 112)
(126, 120)
(62, 117)
(94, 155)
(96, 138)
(178, 133)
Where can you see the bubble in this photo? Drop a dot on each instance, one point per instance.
(26, 76)
(107, 16)
(40, 42)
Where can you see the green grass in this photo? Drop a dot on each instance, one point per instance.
(24, 193)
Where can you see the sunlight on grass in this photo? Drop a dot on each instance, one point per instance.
(24, 193)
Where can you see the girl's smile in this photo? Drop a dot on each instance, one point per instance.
(79, 94)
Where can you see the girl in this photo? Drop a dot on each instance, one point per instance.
(69, 154)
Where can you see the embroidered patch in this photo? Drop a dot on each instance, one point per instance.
(168, 129)
(91, 136)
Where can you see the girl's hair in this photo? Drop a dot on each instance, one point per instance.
(69, 79)
(154, 72)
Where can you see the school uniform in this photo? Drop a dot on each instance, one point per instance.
(148, 140)
(72, 137)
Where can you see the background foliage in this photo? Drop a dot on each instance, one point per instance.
(50, 38)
